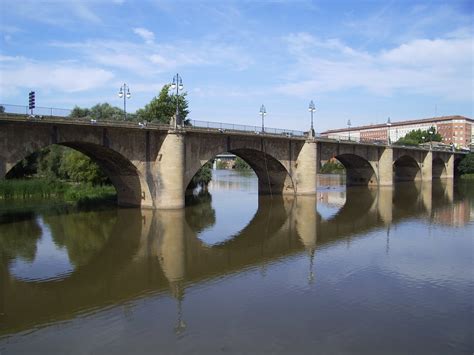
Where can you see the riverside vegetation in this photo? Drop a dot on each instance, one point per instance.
(58, 172)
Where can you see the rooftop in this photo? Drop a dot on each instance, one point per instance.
(401, 123)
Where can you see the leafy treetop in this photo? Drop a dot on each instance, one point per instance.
(418, 136)
(162, 107)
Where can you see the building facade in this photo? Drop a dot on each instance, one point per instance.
(457, 130)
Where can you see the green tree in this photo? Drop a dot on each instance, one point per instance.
(106, 111)
(418, 136)
(80, 168)
(333, 167)
(2, 109)
(100, 111)
(49, 162)
(467, 164)
(79, 112)
(221, 164)
(241, 164)
(202, 178)
(162, 107)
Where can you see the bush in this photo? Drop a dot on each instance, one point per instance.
(332, 167)
(241, 164)
(467, 164)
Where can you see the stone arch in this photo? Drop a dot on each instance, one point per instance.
(406, 168)
(439, 168)
(358, 170)
(131, 187)
(273, 177)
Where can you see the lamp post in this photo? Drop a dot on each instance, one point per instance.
(263, 112)
(349, 128)
(311, 109)
(125, 93)
(430, 133)
(389, 123)
(178, 85)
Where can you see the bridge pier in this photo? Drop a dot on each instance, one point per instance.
(385, 168)
(170, 189)
(306, 169)
(427, 167)
(450, 167)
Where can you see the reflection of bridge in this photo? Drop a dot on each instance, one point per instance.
(155, 251)
(152, 167)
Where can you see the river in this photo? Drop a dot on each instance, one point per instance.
(356, 270)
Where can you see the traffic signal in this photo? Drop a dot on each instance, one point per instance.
(31, 96)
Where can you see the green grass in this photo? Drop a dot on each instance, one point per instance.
(467, 177)
(81, 194)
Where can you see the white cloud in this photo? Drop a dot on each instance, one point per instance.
(19, 73)
(57, 13)
(148, 36)
(83, 12)
(441, 67)
(152, 58)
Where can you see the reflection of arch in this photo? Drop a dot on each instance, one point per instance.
(273, 177)
(125, 177)
(358, 203)
(406, 199)
(358, 170)
(268, 219)
(406, 168)
(439, 168)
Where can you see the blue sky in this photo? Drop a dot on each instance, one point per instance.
(358, 60)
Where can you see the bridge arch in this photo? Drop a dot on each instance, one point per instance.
(131, 187)
(273, 177)
(406, 168)
(439, 168)
(358, 170)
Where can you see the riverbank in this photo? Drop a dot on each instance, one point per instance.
(80, 194)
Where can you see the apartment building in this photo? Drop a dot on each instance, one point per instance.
(454, 129)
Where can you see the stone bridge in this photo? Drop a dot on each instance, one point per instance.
(152, 166)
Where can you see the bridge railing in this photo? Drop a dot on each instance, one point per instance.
(64, 113)
(40, 111)
(244, 128)
(60, 113)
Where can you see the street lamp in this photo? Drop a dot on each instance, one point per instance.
(389, 123)
(311, 109)
(349, 128)
(125, 93)
(178, 85)
(263, 112)
(430, 132)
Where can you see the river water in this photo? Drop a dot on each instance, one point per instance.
(356, 270)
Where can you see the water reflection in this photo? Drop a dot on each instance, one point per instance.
(121, 255)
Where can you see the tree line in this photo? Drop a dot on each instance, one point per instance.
(160, 109)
